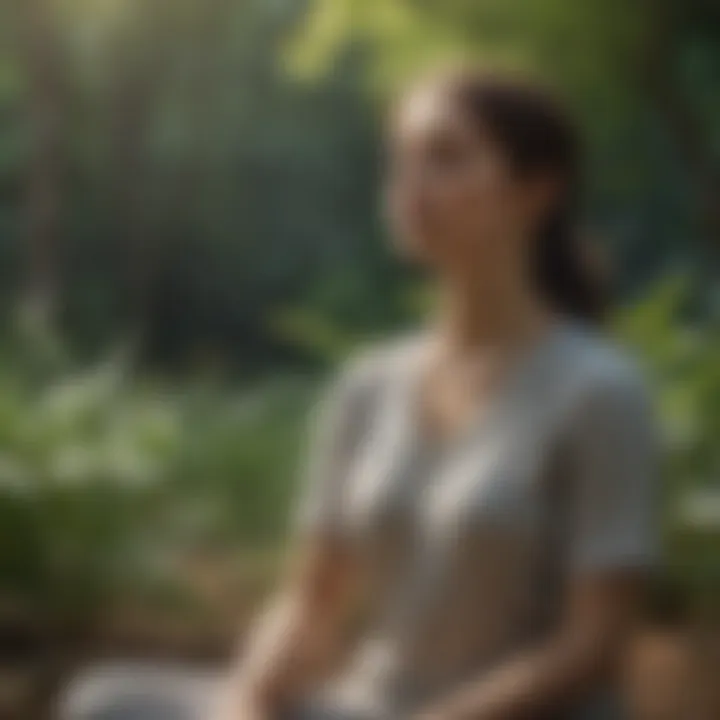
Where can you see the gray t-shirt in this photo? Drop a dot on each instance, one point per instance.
(468, 543)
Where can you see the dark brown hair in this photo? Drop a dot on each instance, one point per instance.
(539, 137)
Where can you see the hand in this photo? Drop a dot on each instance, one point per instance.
(239, 706)
(241, 711)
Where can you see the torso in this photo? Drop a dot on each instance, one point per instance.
(460, 538)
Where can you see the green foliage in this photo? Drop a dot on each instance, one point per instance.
(218, 162)
(80, 456)
(682, 349)
(107, 482)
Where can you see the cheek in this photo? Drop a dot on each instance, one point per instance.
(475, 202)
(451, 214)
(414, 207)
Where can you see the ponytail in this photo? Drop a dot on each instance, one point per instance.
(565, 272)
(539, 139)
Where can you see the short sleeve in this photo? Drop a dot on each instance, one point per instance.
(614, 505)
(336, 427)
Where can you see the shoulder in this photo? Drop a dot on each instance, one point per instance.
(378, 365)
(601, 373)
(361, 380)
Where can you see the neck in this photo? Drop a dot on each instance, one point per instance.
(490, 311)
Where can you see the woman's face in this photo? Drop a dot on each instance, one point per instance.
(452, 197)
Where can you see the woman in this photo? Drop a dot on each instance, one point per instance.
(484, 488)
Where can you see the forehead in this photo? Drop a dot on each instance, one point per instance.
(429, 111)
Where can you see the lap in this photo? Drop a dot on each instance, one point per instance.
(146, 692)
(139, 692)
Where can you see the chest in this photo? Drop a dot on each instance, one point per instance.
(487, 485)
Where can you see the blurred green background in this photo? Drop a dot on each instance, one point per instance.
(190, 239)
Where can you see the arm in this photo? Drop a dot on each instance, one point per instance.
(297, 637)
(582, 651)
(295, 640)
(609, 464)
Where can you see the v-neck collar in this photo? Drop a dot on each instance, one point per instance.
(518, 378)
